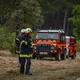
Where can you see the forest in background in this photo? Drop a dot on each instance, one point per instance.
(43, 14)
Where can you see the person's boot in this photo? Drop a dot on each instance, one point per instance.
(21, 72)
(28, 73)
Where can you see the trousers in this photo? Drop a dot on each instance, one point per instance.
(24, 62)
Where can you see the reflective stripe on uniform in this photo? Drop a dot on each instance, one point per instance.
(17, 39)
(32, 44)
(17, 51)
(26, 55)
(23, 42)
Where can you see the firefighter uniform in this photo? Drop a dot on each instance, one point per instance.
(25, 54)
(18, 41)
(24, 48)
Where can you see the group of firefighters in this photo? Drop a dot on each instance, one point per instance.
(24, 49)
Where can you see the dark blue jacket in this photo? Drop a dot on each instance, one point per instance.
(18, 41)
(25, 44)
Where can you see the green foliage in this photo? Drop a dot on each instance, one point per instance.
(17, 13)
(28, 13)
(78, 45)
(7, 40)
(21, 13)
(52, 6)
(76, 32)
(76, 15)
(76, 20)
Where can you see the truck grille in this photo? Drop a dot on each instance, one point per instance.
(43, 47)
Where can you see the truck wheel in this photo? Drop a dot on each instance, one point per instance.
(58, 56)
(39, 58)
(34, 56)
(68, 55)
(74, 56)
(63, 56)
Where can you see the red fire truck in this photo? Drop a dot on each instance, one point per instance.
(50, 43)
(71, 47)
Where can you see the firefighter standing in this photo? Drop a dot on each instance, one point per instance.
(18, 40)
(25, 52)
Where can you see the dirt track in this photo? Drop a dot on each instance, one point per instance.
(46, 69)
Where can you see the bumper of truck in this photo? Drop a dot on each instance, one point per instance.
(44, 53)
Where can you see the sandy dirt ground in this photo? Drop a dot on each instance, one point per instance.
(45, 69)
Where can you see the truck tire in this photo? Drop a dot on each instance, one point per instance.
(34, 56)
(63, 56)
(74, 56)
(68, 55)
(58, 56)
(40, 58)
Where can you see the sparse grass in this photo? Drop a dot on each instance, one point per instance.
(9, 76)
(12, 75)
(43, 72)
(78, 44)
(70, 76)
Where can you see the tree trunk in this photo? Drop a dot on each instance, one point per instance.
(67, 28)
(65, 18)
(54, 21)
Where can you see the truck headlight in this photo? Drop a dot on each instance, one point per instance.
(53, 46)
(34, 47)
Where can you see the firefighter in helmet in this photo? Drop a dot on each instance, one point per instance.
(25, 52)
(18, 40)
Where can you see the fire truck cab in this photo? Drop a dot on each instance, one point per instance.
(71, 47)
(50, 43)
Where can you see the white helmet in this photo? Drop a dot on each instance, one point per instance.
(28, 30)
(23, 31)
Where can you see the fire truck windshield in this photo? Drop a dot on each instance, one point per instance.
(43, 35)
